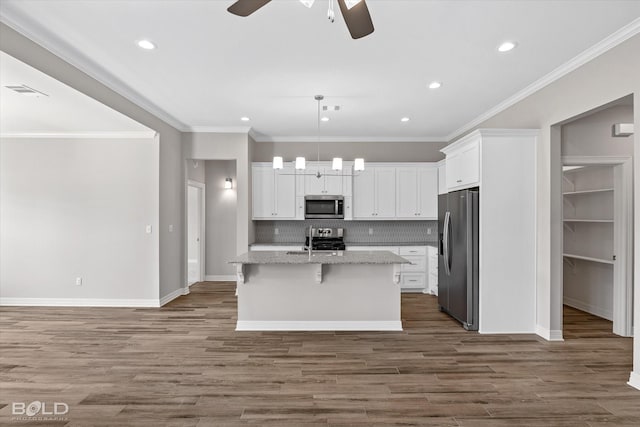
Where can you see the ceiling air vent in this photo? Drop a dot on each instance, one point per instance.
(26, 90)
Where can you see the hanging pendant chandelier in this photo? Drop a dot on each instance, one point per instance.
(300, 163)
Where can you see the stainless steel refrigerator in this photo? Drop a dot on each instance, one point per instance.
(458, 256)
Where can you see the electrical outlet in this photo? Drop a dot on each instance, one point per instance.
(148, 229)
(78, 281)
(370, 231)
(428, 231)
(276, 231)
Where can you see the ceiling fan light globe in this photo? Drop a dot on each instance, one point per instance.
(350, 3)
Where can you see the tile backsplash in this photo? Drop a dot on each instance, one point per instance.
(354, 231)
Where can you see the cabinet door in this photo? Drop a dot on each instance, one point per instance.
(427, 193)
(313, 186)
(285, 194)
(463, 167)
(364, 194)
(385, 193)
(406, 192)
(470, 162)
(442, 179)
(333, 182)
(263, 192)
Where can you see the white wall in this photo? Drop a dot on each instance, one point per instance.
(79, 208)
(221, 218)
(608, 77)
(172, 263)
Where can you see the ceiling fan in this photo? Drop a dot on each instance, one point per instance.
(355, 12)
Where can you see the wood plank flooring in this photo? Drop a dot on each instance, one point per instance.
(184, 365)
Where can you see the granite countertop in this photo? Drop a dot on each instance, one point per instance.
(327, 257)
(351, 244)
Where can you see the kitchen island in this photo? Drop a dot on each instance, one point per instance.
(329, 291)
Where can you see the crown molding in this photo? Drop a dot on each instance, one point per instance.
(69, 54)
(266, 138)
(80, 135)
(219, 129)
(609, 42)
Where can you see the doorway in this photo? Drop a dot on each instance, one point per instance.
(195, 232)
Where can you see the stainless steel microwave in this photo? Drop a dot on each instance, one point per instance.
(324, 207)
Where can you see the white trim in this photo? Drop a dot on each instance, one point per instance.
(588, 308)
(302, 138)
(220, 278)
(173, 295)
(78, 302)
(589, 54)
(219, 129)
(634, 380)
(487, 332)
(79, 135)
(549, 335)
(202, 201)
(49, 41)
(318, 325)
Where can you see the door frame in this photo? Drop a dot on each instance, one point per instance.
(202, 234)
(623, 230)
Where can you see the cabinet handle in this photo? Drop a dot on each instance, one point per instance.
(459, 180)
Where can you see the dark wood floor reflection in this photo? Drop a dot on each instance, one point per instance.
(184, 365)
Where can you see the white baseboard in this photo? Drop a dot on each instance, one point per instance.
(548, 334)
(484, 331)
(634, 380)
(581, 305)
(220, 278)
(173, 295)
(318, 325)
(78, 302)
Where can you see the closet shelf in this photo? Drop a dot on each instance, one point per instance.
(600, 190)
(588, 258)
(588, 220)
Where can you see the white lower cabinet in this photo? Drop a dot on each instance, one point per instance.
(413, 277)
(268, 247)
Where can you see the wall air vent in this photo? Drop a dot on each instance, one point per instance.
(26, 90)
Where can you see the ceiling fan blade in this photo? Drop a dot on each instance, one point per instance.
(246, 7)
(357, 18)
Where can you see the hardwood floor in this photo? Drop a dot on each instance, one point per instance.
(184, 365)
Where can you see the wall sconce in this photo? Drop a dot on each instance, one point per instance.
(228, 184)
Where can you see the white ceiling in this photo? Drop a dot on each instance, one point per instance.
(211, 67)
(63, 111)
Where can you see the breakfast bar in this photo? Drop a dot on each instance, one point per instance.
(324, 291)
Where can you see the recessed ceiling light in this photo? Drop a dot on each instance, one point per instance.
(325, 119)
(405, 119)
(506, 46)
(245, 119)
(146, 44)
(434, 85)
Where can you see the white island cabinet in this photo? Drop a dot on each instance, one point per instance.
(293, 291)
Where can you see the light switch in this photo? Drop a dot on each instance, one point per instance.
(148, 229)
(78, 281)
(170, 228)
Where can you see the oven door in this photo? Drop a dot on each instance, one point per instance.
(324, 207)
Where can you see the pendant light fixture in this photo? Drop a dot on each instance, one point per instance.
(336, 164)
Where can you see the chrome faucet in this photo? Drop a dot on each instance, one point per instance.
(310, 245)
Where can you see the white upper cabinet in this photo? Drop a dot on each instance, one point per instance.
(374, 193)
(330, 182)
(274, 192)
(417, 192)
(463, 165)
(442, 177)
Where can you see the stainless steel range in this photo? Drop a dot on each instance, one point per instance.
(326, 239)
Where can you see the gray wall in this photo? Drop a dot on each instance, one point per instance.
(608, 77)
(370, 151)
(221, 217)
(195, 170)
(79, 208)
(171, 179)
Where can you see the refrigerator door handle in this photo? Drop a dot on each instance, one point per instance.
(445, 242)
